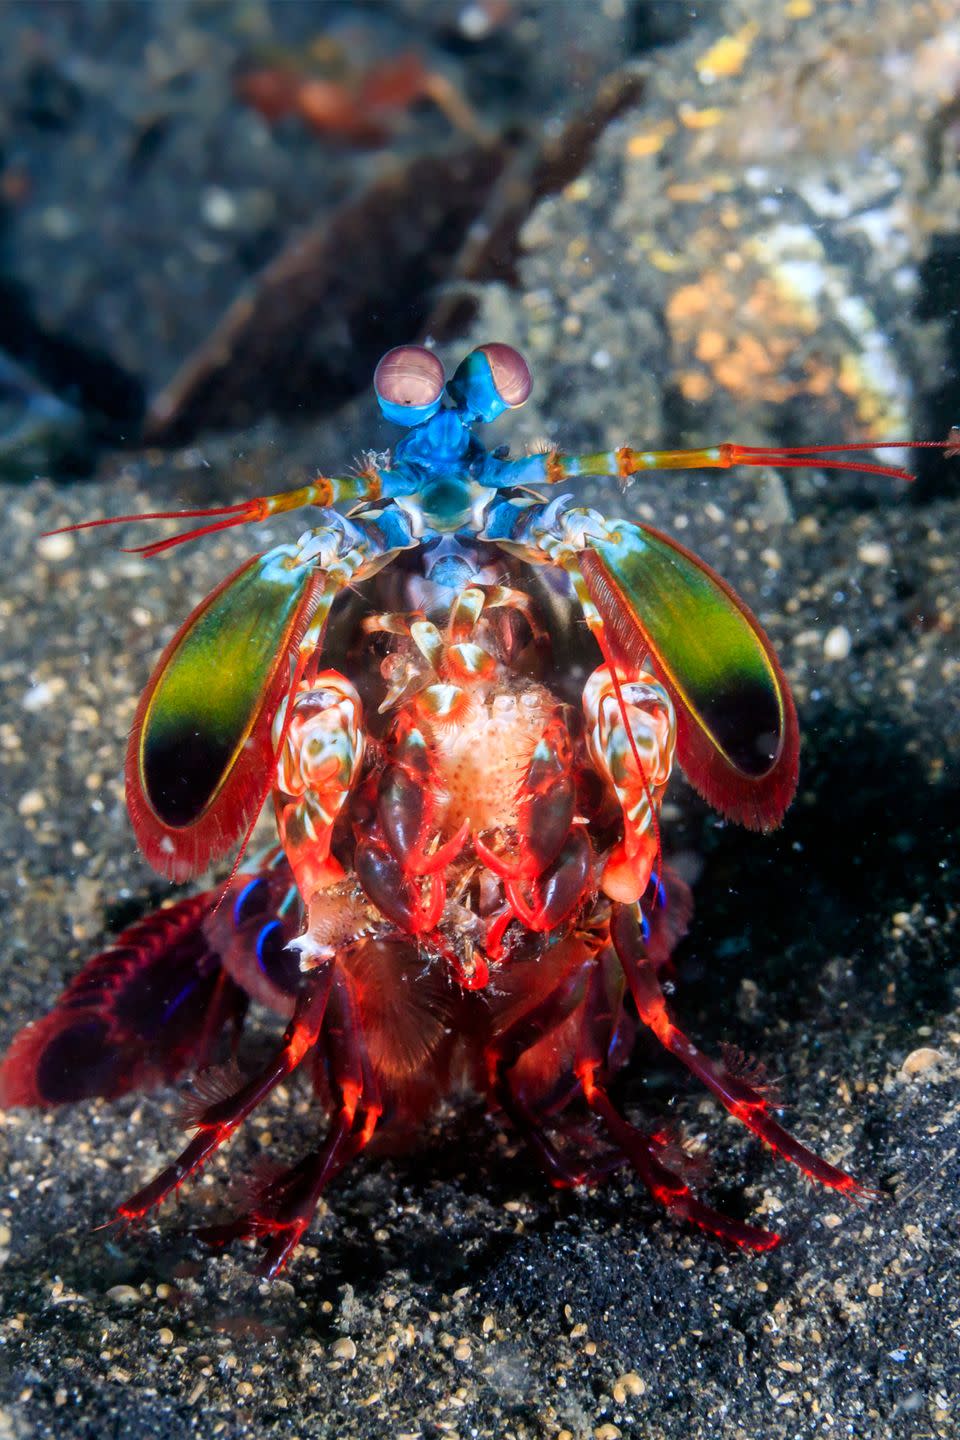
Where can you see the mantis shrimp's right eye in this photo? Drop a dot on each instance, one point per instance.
(409, 384)
(510, 374)
(490, 380)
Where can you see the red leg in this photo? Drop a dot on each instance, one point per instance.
(655, 1161)
(590, 991)
(742, 1099)
(651, 1157)
(507, 1048)
(285, 1206)
(219, 1120)
(559, 1169)
(660, 1163)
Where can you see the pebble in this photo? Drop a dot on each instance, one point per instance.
(31, 803)
(874, 552)
(39, 696)
(475, 22)
(628, 1384)
(837, 642)
(344, 1348)
(55, 547)
(219, 208)
(124, 1295)
(921, 1062)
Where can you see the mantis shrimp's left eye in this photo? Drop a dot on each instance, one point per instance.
(490, 380)
(409, 384)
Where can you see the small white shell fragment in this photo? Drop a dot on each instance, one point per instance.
(55, 547)
(874, 552)
(924, 1062)
(837, 642)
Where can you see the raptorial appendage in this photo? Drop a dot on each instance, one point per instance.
(318, 764)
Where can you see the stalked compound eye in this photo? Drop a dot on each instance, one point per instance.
(490, 380)
(511, 374)
(409, 384)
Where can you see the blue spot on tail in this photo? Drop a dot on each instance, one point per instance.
(263, 944)
(242, 902)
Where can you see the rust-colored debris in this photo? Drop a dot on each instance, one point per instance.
(360, 108)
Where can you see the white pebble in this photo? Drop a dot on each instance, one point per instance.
(923, 1061)
(874, 552)
(219, 208)
(55, 547)
(38, 697)
(124, 1295)
(836, 645)
(475, 22)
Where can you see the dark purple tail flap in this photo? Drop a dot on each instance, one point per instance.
(137, 1014)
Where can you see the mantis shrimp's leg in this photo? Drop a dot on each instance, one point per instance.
(457, 659)
(655, 1159)
(477, 598)
(406, 672)
(508, 1047)
(317, 767)
(285, 1206)
(217, 1121)
(632, 719)
(658, 1160)
(562, 1172)
(741, 1095)
(586, 991)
